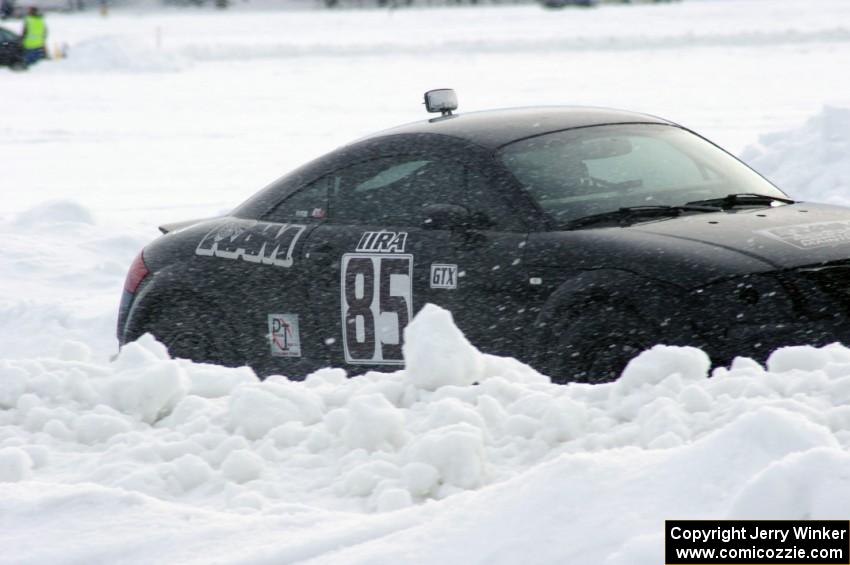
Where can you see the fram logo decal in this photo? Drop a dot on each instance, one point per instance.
(252, 241)
(382, 242)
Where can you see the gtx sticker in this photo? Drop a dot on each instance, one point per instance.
(252, 241)
(284, 337)
(443, 276)
(810, 236)
(377, 303)
(382, 242)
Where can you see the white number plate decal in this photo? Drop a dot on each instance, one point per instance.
(377, 304)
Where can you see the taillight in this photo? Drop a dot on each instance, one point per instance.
(138, 272)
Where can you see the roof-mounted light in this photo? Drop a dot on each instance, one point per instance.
(442, 100)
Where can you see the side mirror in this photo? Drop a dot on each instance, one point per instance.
(442, 100)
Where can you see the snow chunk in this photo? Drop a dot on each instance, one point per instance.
(13, 383)
(804, 358)
(148, 393)
(393, 499)
(98, 428)
(563, 419)
(420, 478)
(190, 471)
(457, 452)
(695, 399)
(437, 354)
(242, 466)
(256, 409)
(15, 464)
(371, 422)
(216, 382)
(659, 363)
(363, 479)
(140, 352)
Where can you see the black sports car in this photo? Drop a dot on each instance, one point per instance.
(11, 49)
(570, 238)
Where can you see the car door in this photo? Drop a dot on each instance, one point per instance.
(281, 328)
(386, 250)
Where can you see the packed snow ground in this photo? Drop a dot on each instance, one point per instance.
(145, 458)
(150, 457)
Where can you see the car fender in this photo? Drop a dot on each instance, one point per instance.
(590, 292)
(165, 288)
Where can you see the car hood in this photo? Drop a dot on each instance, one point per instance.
(696, 249)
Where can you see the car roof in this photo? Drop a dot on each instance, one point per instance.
(495, 128)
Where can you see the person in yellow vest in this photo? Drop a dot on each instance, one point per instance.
(35, 36)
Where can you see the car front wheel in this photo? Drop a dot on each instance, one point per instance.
(595, 345)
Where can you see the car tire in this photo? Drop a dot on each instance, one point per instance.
(596, 343)
(188, 335)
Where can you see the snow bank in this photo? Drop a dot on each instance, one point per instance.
(62, 271)
(122, 54)
(809, 162)
(177, 40)
(242, 35)
(51, 213)
(493, 440)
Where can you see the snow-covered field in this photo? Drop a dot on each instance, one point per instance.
(162, 116)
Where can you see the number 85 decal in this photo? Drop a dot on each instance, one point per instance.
(377, 303)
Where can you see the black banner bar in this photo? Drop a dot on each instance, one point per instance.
(757, 542)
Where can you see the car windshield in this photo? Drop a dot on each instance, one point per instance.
(580, 172)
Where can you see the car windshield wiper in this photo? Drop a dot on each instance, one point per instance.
(741, 199)
(630, 214)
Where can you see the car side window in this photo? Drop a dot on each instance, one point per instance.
(394, 173)
(395, 190)
(309, 202)
(487, 204)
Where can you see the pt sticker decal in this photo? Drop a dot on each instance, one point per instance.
(284, 337)
(252, 241)
(810, 236)
(382, 242)
(443, 276)
(377, 304)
